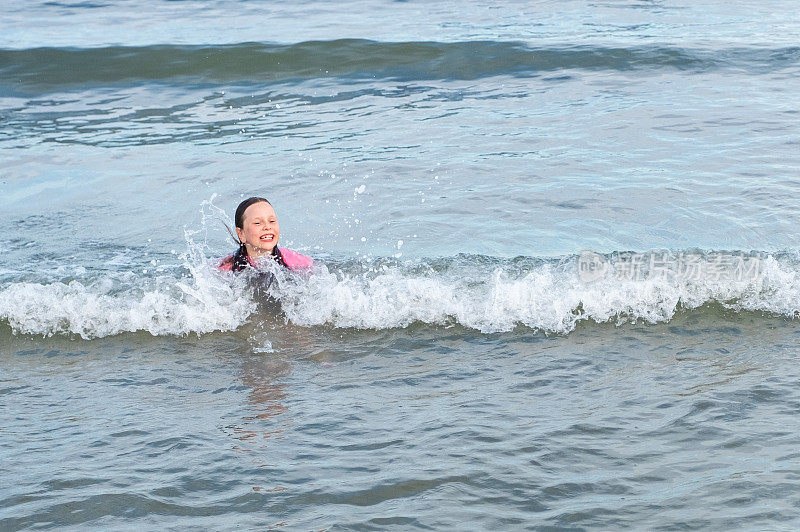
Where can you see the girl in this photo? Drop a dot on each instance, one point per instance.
(258, 232)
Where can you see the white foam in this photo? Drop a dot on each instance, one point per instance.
(202, 303)
(485, 294)
(548, 297)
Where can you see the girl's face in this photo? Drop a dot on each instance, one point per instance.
(260, 229)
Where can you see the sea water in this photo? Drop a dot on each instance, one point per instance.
(556, 281)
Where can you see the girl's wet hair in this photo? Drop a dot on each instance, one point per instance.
(239, 217)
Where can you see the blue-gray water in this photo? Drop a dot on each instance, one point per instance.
(449, 364)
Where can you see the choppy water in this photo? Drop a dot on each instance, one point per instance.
(450, 364)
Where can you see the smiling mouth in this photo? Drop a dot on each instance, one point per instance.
(268, 238)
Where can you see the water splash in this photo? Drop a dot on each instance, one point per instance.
(483, 293)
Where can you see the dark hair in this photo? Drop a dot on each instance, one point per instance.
(239, 217)
(240, 257)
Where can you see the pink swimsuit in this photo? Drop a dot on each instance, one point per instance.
(296, 261)
(293, 260)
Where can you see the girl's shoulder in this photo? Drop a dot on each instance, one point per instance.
(296, 261)
(226, 264)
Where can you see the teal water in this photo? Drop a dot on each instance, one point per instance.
(449, 364)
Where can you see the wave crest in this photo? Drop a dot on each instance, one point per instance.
(547, 297)
(98, 309)
(58, 68)
(482, 293)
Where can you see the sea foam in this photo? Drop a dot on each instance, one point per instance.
(481, 293)
(549, 296)
(93, 308)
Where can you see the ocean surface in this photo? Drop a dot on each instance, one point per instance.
(556, 282)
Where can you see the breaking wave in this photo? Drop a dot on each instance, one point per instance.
(486, 294)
